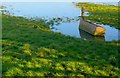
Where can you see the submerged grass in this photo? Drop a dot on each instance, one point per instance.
(103, 14)
(30, 48)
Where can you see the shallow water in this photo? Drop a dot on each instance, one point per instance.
(43, 9)
(60, 9)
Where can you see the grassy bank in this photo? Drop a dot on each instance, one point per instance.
(30, 48)
(103, 14)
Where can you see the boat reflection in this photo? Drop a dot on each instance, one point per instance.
(86, 36)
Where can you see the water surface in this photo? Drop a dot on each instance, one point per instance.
(60, 9)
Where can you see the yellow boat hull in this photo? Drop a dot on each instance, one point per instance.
(92, 28)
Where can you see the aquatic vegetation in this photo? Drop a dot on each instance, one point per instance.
(2, 7)
(60, 20)
(28, 50)
(103, 14)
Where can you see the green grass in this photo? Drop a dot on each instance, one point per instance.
(103, 14)
(30, 48)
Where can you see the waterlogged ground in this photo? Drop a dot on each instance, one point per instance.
(69, 10)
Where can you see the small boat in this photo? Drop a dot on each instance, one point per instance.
(91, 28)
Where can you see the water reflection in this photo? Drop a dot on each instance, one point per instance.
(110, 34)
(89, 27)
(60, 9)
(86, 36)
